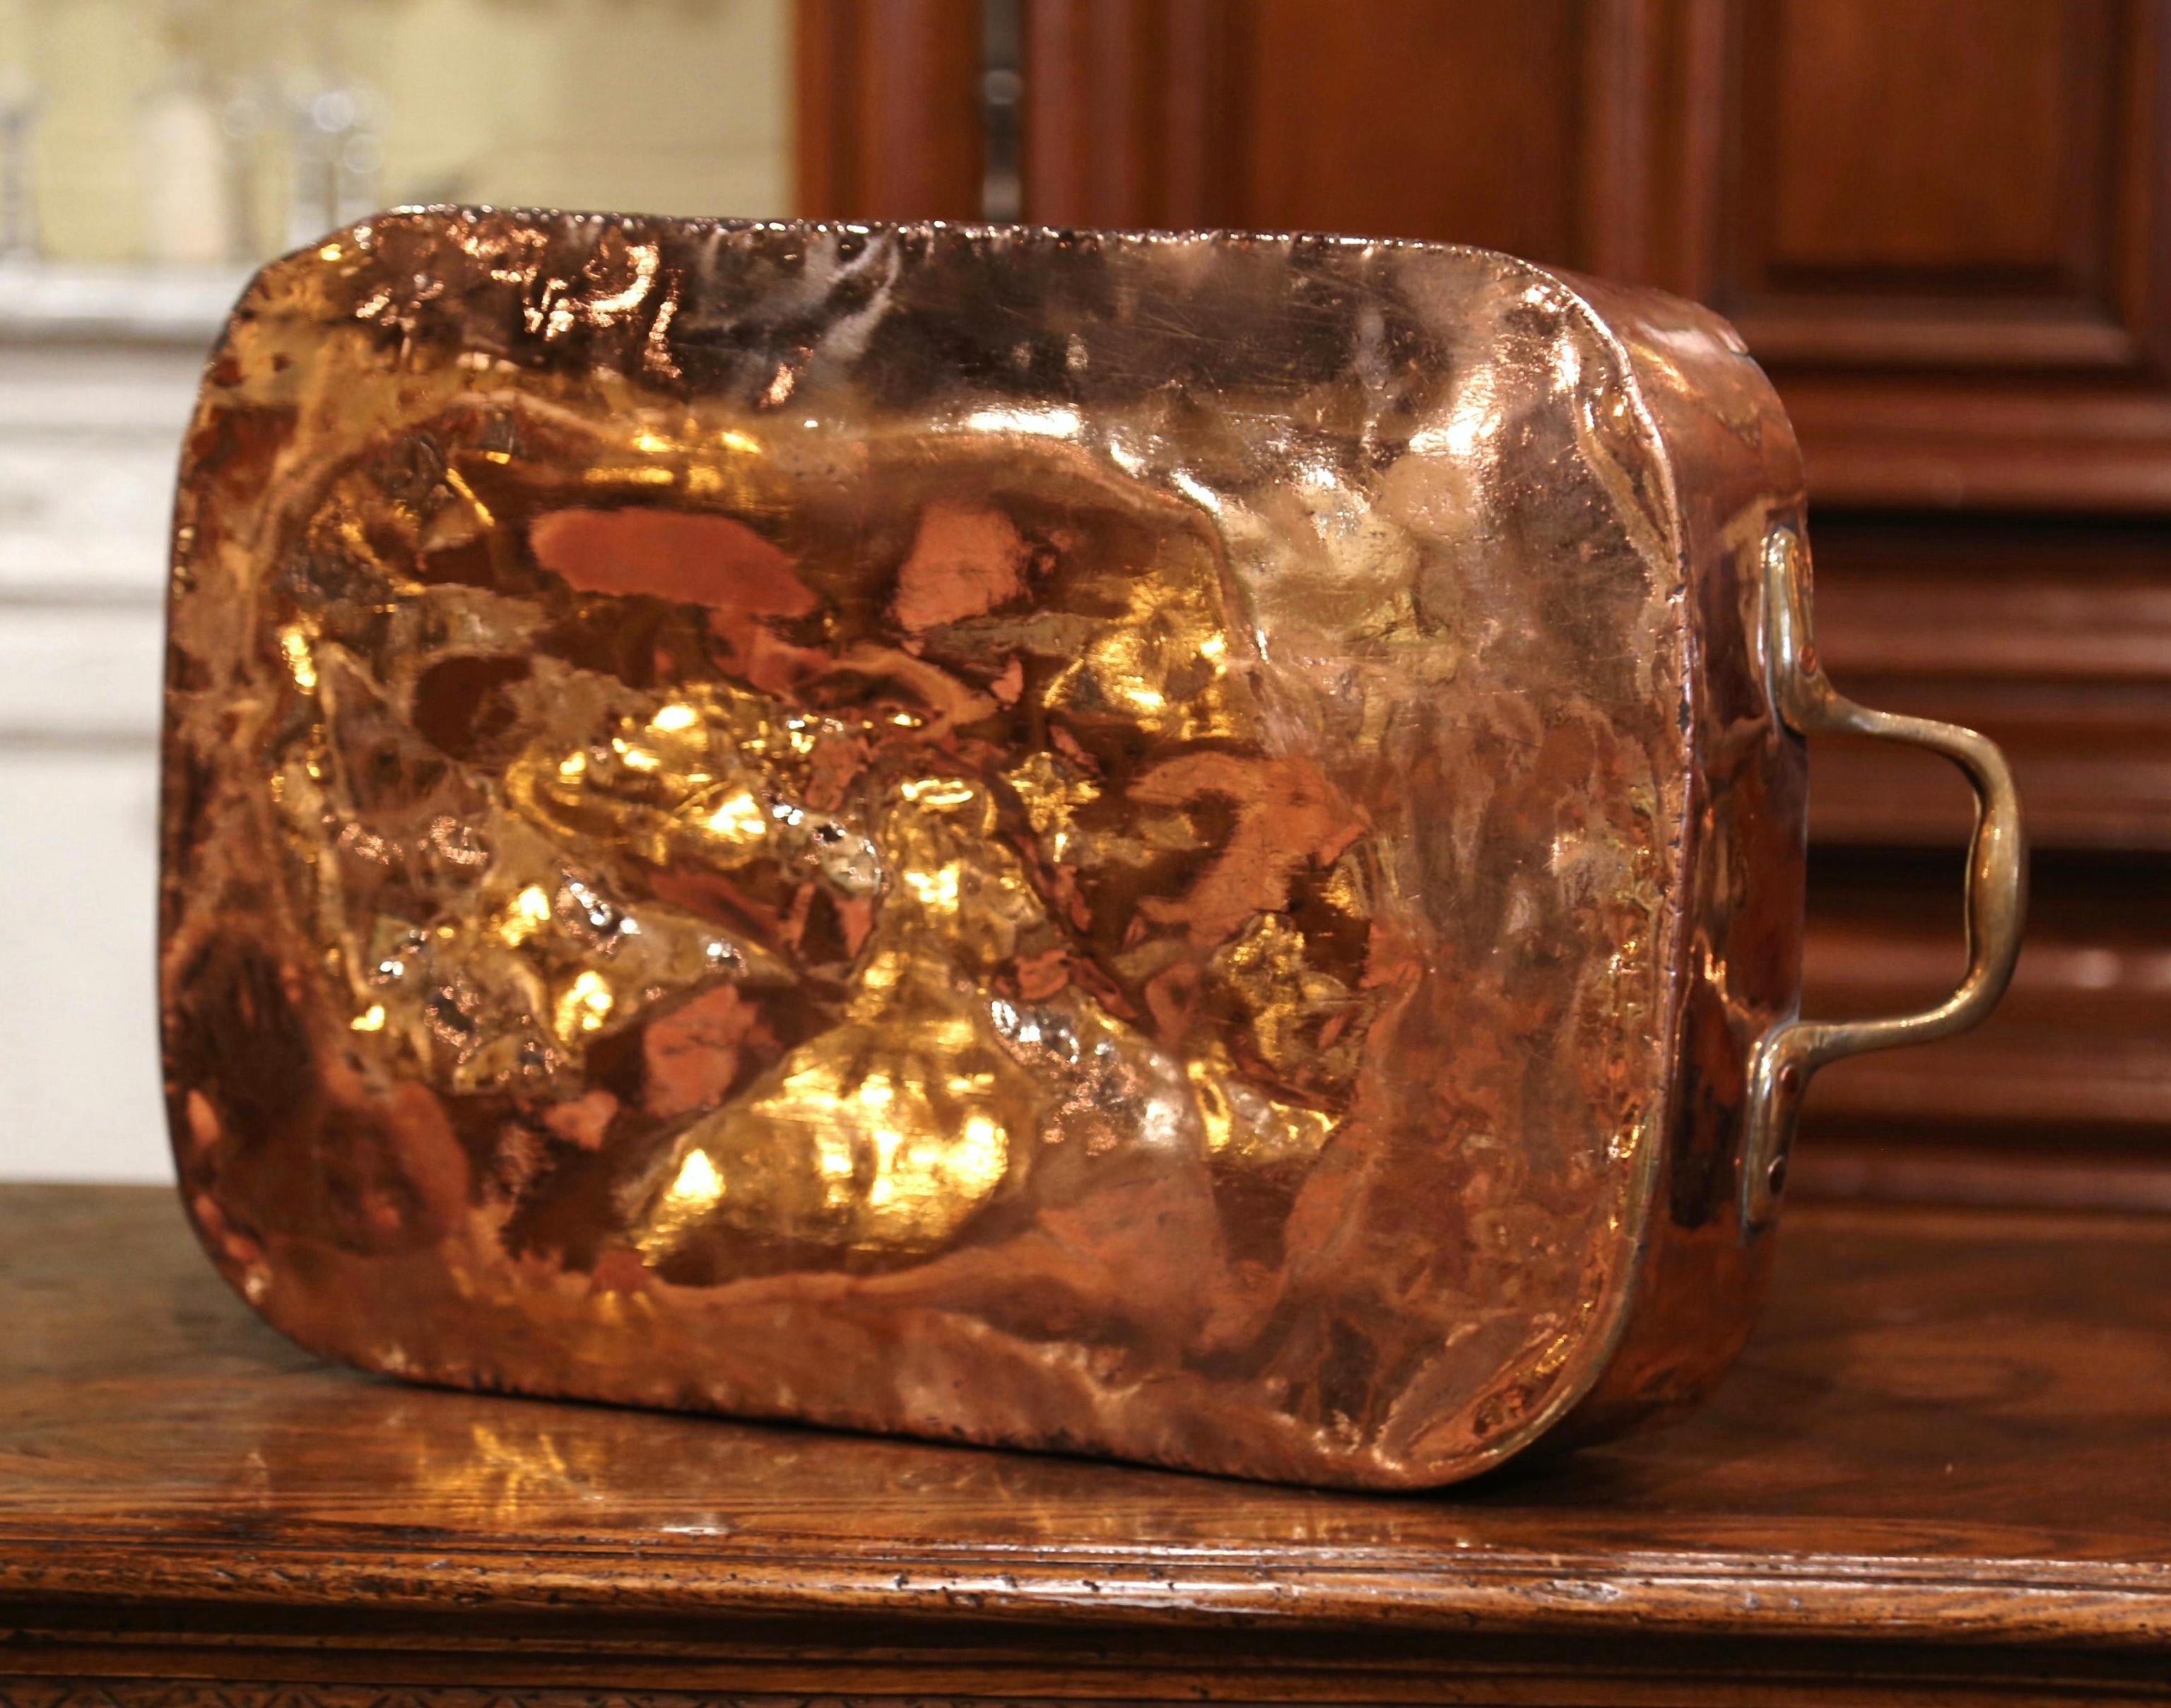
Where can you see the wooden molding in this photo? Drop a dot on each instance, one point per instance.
(2052, 636)
(1874, 1164)
(2077, 1057)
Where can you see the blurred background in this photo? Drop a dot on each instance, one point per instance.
(1943, 225)
(153, 152)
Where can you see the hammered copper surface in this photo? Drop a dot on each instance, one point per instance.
(1163, 846)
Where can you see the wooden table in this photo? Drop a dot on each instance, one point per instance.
(1941, 1475)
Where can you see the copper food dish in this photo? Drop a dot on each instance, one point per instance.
(1186, 848)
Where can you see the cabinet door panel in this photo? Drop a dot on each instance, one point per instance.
(1941, 225)
(1377, 120)
(1510, 127)
(1936, 143)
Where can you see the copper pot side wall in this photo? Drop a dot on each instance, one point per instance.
(1158, 846)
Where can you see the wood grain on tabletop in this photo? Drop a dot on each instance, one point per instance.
(1937, 1405)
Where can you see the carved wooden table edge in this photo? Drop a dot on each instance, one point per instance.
(1527, 1594)
(189, 1517)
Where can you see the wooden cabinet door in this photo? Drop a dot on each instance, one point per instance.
(1941, 224)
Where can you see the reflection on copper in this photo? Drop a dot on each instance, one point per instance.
(1127, 844)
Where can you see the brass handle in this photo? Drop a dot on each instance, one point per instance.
(1996, 884)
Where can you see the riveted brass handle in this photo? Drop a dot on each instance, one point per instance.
(1996, 883)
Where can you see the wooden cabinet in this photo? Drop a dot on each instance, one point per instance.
(1943, 226)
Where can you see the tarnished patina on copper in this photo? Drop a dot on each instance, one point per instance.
(1171, 847)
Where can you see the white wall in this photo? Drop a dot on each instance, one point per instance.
(88, 438)
(77, 1008)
